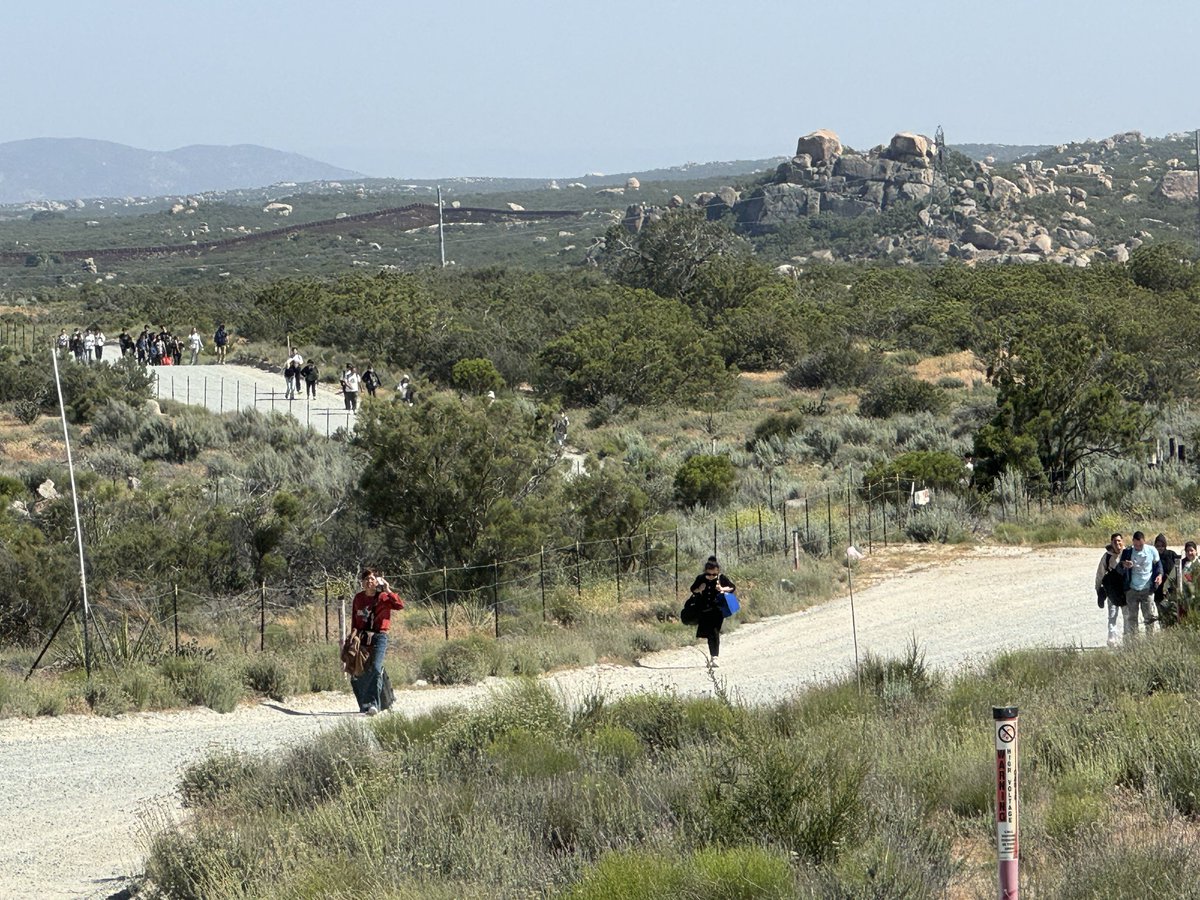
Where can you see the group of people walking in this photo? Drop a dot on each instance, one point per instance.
(1147, 580)
(153, 347)
(365, 648)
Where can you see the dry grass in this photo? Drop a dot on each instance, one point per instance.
(965, 366)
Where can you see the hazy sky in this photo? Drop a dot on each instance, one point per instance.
(506, 87)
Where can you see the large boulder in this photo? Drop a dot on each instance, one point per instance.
(910, 148)
(979, 236)
(777, 204)
(821, 146)
(1179, 185)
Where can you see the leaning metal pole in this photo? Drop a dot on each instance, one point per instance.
(62, 409)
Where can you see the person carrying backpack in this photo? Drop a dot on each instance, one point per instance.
(370, 380)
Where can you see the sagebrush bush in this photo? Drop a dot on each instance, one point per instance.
(900, 394)
(462, 661)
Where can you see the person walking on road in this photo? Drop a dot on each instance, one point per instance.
(350, 384)
(220, 340)
(1110, 585)
(707, 590)
(310, 375)
(195, 345)
(1143, 573)
(372, 619)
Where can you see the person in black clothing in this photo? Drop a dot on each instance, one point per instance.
(310, 375)
(1165, 594)
(707, 589)
(370, 380)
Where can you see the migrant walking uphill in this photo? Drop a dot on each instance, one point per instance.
(161, 349)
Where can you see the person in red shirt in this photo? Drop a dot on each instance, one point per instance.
(372, 616)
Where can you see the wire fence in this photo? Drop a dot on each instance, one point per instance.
(504, 595)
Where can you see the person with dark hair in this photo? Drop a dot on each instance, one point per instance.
(1188, 571)
(310, 374)
(1143, 574)
(1166, 595)
(1110, 585)
(372, 619)
(350, 385)
(370, 380)
(707, 589)
(220, 341)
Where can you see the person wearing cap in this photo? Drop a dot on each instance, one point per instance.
(350, 383)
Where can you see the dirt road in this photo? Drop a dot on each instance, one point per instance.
(230, 387)
(78, 789)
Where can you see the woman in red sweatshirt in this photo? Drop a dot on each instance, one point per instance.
(372, 617)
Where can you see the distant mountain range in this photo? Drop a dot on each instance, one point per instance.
(70, 168)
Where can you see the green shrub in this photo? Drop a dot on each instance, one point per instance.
(617, 746)
(934, 525)
(476, 376)
(900, 394)
(744, 873)
(632, 875)
(462, 661)
(398, 732)
(658, 720)
(935, 469)
(271, 675)
(527, 706)
(522, 754)
(705, 479)
(809, 802)
(220, 773)
(778, 426)
(842, 366)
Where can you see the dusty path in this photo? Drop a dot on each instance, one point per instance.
(77, 788)
(230, 387)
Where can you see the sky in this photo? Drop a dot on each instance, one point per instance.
(555, 89)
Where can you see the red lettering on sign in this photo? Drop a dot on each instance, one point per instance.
(1001, 789)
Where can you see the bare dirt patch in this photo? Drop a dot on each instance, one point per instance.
(965, 366)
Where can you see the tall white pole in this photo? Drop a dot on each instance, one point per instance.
(441, 228)
(62, 409)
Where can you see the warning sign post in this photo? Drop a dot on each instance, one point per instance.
(1004, 721)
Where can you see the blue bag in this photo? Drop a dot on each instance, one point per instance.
(729, 604)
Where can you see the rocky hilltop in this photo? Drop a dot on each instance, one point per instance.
(1073, 203)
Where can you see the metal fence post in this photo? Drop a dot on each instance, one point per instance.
(617, 547)
(445, 603)
(647, 560)
(542, 579)
(496, 594)
(262, 617)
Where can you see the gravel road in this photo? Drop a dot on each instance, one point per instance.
(229, 387)
(79, 790)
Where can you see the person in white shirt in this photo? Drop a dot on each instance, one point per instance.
(195, 345)
(89, 345)
(99, 339)
(350, 387)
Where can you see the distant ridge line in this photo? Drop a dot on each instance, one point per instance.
(420, 214)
